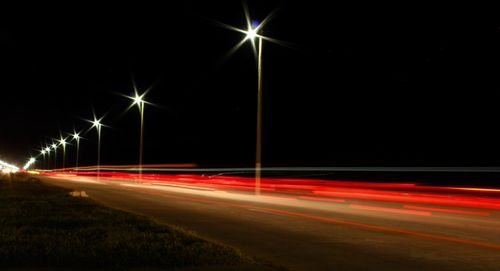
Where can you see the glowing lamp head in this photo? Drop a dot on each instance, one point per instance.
(76, 136)
(54, 146)
(62, 141)
(32, 160)
(96, 123)
(138, 99)
(43, 152)
(47, 149)
(251, 33)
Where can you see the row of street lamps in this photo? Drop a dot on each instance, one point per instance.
(251, 34)
(45, 151)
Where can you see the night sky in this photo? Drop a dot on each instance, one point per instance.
(353, 84)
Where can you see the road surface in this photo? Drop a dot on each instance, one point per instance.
(322, 225)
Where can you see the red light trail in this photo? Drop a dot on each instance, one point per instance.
(379, 200)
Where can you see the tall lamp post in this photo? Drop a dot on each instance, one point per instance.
(47, 149)
(140, 102)
(98, 125)
(54, 147)
(62, 141)
(42, 152)
(252, 33)
(76, 136)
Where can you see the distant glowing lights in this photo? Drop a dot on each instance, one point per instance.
(8, 168)
(30, 162)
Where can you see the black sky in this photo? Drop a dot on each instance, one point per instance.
(359, 84)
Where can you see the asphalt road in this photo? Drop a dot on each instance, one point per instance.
(302, 233)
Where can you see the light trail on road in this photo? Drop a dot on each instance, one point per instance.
(444, 218)
(191, 167)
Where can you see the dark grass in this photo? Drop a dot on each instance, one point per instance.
(42, 226)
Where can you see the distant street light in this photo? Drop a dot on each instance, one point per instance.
(98, 125)
(62, 141)
(47, 150)
(44, 160)
(54, 147)
(76, 136)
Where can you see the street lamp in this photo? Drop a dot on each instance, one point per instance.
(54, 147)
(98, 125)
(62, 141)
(47, 150)
(76, 136)
(43, 154)
(251, 34)
(254, 31)
(139, 101)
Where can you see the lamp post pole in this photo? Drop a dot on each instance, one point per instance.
(258, 152)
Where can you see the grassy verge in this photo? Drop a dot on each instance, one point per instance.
(43, 227)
